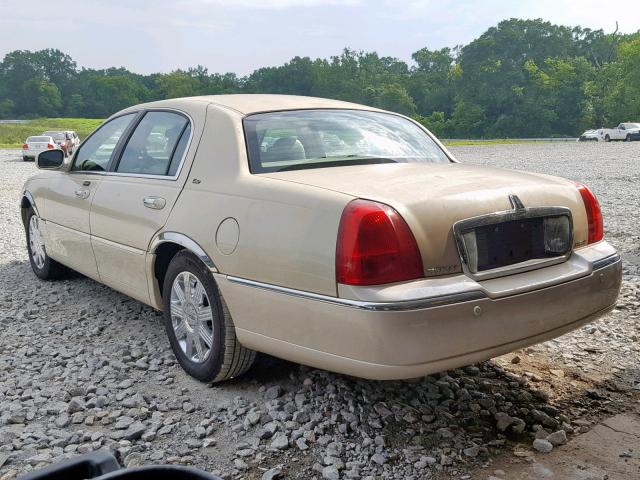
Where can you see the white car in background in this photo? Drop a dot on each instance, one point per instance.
(591, 136)
(625, 131)
(36, 144)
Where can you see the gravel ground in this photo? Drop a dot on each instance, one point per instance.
(84, 368)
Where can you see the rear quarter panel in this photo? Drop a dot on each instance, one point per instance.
(287, 232)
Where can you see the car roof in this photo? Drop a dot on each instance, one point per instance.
(255, 103)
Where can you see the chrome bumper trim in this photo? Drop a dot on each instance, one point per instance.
(606, 261)
(417, 304)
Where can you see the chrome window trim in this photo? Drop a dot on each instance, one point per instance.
(498, 217)
(418, 304)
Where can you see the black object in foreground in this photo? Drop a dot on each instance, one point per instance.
(101, 465)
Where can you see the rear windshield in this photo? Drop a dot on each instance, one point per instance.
(56, 135)
(294, 140)
(38, 139)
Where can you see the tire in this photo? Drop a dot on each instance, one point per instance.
(42, 265)
(186, 307)
(627, 138)
(25, 159)
(607, 138)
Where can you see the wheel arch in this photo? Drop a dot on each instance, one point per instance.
(163, 248)
(27, 201)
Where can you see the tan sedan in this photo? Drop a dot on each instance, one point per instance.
(327, 233)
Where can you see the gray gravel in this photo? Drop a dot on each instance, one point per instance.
(84, 368)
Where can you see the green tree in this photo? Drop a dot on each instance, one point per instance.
(42, 97)
(432, 80)
(622, 99)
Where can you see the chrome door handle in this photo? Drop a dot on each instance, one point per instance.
(157, 203)
(82, 193)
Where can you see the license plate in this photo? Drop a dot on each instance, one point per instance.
(515, 241)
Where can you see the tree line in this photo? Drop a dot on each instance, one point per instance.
(521, 78)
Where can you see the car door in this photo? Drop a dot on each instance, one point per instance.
(134, 200)
(69, 196)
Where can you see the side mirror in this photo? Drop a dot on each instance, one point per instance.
(50, 159)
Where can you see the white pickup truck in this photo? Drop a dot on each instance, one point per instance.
(624, 131)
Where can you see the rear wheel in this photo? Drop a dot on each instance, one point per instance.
(25, 159)
(42, 265)
(198, 323)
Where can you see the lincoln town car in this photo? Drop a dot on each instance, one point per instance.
(327, 233)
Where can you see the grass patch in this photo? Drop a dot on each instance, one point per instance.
(13, 135)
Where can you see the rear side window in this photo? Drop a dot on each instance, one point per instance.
(157, 145)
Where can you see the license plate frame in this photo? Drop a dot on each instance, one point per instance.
(506, 221)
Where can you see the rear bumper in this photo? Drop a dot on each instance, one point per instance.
(31, 153)
(409, 337)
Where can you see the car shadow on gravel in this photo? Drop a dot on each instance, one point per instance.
(452, 421)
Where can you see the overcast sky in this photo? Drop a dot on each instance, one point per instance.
(240, 35)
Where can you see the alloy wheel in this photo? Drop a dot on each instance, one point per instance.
(36, 244)
(191, 317)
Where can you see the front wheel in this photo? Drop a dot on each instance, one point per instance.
(42, 265)
(198, 323)
(607, 138)
(628, 138)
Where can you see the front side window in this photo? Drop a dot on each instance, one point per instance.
(95, 153)
(294, 140)
(157, 145)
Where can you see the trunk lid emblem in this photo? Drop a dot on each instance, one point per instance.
(516, 203)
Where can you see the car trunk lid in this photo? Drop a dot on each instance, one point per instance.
(433, 197)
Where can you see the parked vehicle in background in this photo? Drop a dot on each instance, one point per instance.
(624, 131)
(591, 136)
(75, 139)
(62, 140)
(34, 145)
(323, 232)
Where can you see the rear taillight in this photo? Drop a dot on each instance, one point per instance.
(25, 146)
(375, 246)
(594, 214)
(50, 146)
